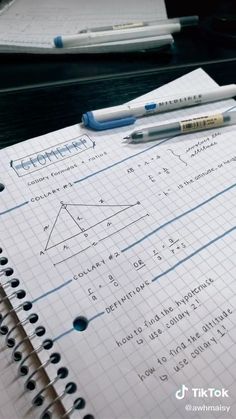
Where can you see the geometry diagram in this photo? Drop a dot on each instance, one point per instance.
(73, 220)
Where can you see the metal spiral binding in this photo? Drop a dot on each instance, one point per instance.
(39, 331)
(10, 342)
(6, 272)
(70, 388)
(27, 305)
(77, 405)
(16, 294)
(12, 282)
(54, 358)
(61, 374)
(47, 344)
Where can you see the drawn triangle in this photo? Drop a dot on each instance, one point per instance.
(89, 216)
(75, 219)
(63, 228)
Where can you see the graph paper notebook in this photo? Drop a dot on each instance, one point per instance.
(29, 26)
(127, 254)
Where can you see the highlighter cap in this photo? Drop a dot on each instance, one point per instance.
(58, 43)
(188, 21)
(230, 117)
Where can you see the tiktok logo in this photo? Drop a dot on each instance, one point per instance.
(180, 394)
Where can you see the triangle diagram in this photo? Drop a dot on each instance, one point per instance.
(75, 219)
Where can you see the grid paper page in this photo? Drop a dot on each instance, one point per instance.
(135, 244)
(30, 26)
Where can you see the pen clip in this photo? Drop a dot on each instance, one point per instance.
(89, 121)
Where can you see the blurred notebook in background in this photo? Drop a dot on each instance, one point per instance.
(29, 27)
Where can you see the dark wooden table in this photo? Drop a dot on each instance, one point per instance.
(39, 94)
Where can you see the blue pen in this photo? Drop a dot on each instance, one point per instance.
(119, 116)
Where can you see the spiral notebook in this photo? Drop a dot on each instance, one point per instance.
(118, 263)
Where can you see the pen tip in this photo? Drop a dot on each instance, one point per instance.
(126, 140)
